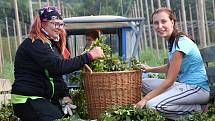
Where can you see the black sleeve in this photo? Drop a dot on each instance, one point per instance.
(43, 54)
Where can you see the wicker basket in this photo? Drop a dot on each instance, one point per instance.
(104, 89)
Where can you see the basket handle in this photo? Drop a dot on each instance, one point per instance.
(88, 68)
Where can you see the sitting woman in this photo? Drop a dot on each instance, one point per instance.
(185, 88)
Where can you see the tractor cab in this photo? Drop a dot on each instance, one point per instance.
(122, 35)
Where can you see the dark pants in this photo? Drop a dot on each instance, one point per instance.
(37, 110)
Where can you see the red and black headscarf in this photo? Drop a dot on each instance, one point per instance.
(49, 13)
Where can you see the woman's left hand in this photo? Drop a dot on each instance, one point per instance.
(141, 103)
(96, 52)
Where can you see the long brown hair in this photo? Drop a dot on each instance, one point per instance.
(36, 33)
(175, 34)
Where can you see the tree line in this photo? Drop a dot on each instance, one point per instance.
(187, 12)
(88, 7)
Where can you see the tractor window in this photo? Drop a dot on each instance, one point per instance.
(130, 42)
(113, 41)
(76, 43)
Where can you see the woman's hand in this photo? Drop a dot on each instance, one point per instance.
(145, 68)
(96, 52)
(141, 103)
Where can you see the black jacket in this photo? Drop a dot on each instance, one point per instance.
(31, 61)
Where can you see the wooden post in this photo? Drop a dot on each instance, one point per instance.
(53, 2)
(214, 10)
(26, 30)
(135, 9)
(202, 23)
(184, 16)
(30, 11)
(159, 3)
(121, 2)
(67, 12)
(1, 54)
(163, 40)
(138, 8)
(164, 45)
(64, 13)
(17, 22)
(1, 65)
(152, 6)
(129, 14)
(198, 22)
(206, 26)
(168, 4)
(2, 51)
(62, 8)
(100, 7)
(8, 40)
(149, 25)
(58, 4)
(191, 22)
(40, 4)
(180, 21)
(48, 3)
(144, 28)
(155, 34)
(14, 34)
(138, 15)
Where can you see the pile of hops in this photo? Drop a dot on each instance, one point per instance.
(110, 62)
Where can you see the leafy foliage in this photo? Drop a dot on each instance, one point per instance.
(79, 99)
(108, 62)
(199, 117)
(71, 118)
(202, 116)
(80, 113)
(156, 75)
(6, 113)
(211, 109)
(130, 113)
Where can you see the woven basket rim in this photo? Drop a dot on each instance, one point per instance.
(126, 71)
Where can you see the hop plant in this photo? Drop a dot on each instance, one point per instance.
(130, 113)
(110, 62)
(6, 113)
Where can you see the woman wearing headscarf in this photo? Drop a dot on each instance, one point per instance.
(39, 65)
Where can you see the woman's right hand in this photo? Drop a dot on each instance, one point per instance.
(145, 68)
(96, 52)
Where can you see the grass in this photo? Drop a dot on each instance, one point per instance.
(151, 58)
(7, 71)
